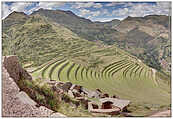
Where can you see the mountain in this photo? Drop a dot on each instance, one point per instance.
(36, 33)
(110, 24)
(83, 27)
(49, 47)
(14, 18)
(147, 38)
(136, 35)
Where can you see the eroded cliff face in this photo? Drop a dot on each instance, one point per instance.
(14, 69)
(16, 103)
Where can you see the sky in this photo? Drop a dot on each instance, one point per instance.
(95, 11)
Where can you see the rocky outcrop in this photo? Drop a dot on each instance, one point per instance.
(16, 103)
(14, 69)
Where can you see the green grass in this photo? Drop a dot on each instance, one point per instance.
(120, 80)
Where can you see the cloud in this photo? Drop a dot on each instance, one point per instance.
(79, 5)
(96, 13)
(104, 11)
(50, 5)
(5, 10)
(142, 9)
(46, 5)
(21, 7)
(84, 12)
(103, 19)
(90, 10)
(114, 4)
(89, 13)
(16, 6)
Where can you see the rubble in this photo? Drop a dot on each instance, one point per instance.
(66, 86)
(70, 93)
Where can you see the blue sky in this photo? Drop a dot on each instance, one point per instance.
(95, 11)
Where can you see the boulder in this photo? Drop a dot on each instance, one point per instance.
(78, 88)
(57, 89)
(71, 88)
(59, 84)
(70, 93)
(93, 94)
(14, 69)
(75, 91)
(90, 94)
(86, 91)
(105, 95)
(77, 94)
(114, 96)
(98, 90)
(66, 86)
(84, 101)
(82, 94)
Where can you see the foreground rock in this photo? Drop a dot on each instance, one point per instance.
(166, 113)
(14, 102)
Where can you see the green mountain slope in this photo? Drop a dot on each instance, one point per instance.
(132, 31)
(147, 38)
(82, 27)
(51, 51)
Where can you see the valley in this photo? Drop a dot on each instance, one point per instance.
(117, 60)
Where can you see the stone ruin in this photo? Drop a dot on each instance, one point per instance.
(110, 106)
(107, 105)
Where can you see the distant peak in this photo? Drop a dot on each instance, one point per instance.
(69, 12)
(16, 14)
(20, 13)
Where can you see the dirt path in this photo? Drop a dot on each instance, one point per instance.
(166, 113)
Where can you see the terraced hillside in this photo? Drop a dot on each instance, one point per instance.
(50, 51)
(123, 77)
(152, 30)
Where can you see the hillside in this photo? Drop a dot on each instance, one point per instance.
(148, 38)
(84, 28)
(152, 30)
(48, 50)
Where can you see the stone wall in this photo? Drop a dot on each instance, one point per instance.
(16, 103)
